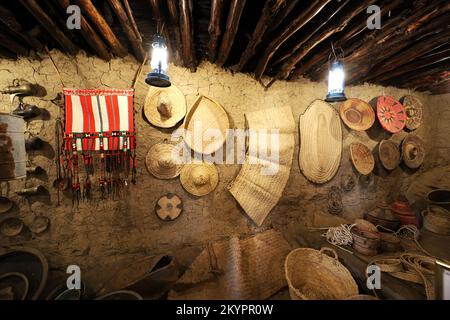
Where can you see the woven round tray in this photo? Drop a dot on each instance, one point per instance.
(389, 154)
(313, 275)
(362, 158)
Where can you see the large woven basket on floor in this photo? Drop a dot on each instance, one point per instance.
(312, 275)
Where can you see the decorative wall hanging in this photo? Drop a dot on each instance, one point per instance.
(391, 114)
(13, 157)
(236, 269)
(165, 107)
(357, 114)
(389, 154)
(203, 115)
(413, 151)
(169, 207)
(101, 123)
(161, 161)
(320, 142)
(256, 192)
(414, 112)
(199, 179)
(362, 158)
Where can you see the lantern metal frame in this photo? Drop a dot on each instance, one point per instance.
(158, 76)
(335, 95)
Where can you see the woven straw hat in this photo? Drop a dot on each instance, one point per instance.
(199, 179)
(389, 154)
(165, 107)
(357, 114)
(413, 108)
(413, 151)
(391, 114)
(161, 161)
(321, 142)
(207, 114)
(362, 158)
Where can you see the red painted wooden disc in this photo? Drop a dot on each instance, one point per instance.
(391, 114)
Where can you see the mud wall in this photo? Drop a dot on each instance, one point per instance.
(102, 236)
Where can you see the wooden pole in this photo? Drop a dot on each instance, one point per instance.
(103, 27)
(236, 9)
(270, 11)
(187, 34)
(11, 44)
(131, 19)
(336, 26)
(136, 44)
(49, 25)
(89, 34)
(292, 28)
(214, 28)
(174, 17)
(8, 18)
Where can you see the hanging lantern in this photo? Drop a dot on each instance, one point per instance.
(336, 80)
(158, 76)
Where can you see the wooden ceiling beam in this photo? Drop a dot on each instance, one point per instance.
(104, 29)
(187, 34)
(131, 19)
(269, 12)
(381, 56)
(8, 18)
(214, 28)
(318, 63)
(8, 42)
(48, 24)
(293, 27)
(281, 16)
(122, 16)
(334, 27)
(234, 16)
(316, 30)
(413, 65)
(174, 17)
(90, 35)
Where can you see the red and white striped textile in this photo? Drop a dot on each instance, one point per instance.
(94, 113)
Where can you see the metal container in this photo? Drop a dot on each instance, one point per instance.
(439, 197)
(12, 148)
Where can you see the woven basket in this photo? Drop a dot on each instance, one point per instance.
(437, 219)
(312, 275)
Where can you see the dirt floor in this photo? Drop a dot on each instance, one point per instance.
(103, 236)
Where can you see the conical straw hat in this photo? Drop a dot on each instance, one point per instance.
(199, 179)
(162, 162)
(413, 151)
(320, 142)
(362, 158)
(165, 107)
(357, 114)
(204, 116)
(413, 108)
